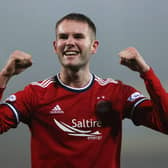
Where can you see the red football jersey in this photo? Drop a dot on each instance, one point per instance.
(74, 127)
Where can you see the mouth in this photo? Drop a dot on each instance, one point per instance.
(70, 53)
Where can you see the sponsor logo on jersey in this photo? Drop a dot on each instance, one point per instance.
(135, 96)
(57, 110)
(75, 128)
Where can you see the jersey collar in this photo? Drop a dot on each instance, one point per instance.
(90, 83)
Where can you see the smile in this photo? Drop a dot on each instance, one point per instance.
(71, 53)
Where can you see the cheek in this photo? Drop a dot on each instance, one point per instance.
(59, 47)
(86, 46)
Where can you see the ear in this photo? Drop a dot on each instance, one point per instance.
(94, 46)
(55, 46)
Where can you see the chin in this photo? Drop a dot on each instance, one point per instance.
(73, 67)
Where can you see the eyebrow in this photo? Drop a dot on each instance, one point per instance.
(61, 34)
(74, 34)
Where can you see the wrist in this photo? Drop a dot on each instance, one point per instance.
(145, 68)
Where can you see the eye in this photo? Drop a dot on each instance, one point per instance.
(62, 36)
(78, 36)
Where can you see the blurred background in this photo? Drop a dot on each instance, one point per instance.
(29, 26)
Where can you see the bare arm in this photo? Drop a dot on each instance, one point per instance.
(17, 63)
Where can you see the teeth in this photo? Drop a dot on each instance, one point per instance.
(71, 52)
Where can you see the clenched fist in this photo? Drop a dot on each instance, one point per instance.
(131, 58)
(17, 63)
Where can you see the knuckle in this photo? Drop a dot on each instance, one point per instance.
(20, 55)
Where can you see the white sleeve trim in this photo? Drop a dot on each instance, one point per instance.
(135, 105)
(13, 110)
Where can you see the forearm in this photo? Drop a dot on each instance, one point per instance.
(3, 83)
(3, 80)
(155, 89)
(159, 98)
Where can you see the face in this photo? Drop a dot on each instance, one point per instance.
(74, 44)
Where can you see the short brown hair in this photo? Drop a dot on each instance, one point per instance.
(78, 17)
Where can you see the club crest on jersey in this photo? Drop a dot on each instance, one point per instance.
(11, 98)
(135, 96)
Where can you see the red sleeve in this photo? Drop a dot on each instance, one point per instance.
(130, 99)
(17, 107)
(153, 113)
(21, 104)
(7, 119)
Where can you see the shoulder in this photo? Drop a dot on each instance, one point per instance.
(39, 87)
(106, 81)
(43, 83)
(116, 85)
(39, 90)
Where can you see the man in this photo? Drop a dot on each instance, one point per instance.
(75, 117)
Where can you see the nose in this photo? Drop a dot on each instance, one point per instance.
(70, 41)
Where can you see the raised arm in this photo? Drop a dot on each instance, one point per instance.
(152, 113)
(17, 63)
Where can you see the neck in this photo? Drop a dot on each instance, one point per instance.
(76, 79)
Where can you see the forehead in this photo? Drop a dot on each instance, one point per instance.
(72, 26)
